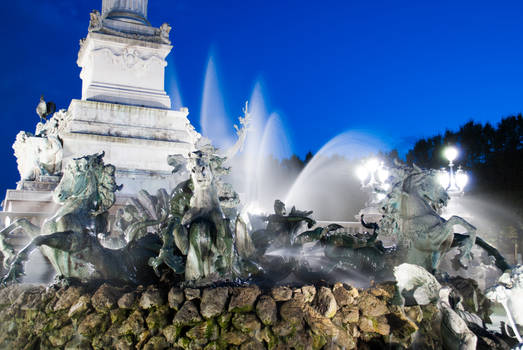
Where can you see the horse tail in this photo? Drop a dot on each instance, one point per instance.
(499, 260)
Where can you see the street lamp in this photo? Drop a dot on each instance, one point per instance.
(373, 174)
(453, 182)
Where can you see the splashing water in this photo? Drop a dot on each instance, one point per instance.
(214, 122)
(327, 185)
(254, 171)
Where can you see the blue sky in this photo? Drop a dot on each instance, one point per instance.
(399, 69)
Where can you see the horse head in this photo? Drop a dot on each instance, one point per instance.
(424, 184)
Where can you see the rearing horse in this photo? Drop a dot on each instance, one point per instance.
(424, 233)
(69, 238)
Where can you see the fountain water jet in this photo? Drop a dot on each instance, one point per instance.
(214, 121)
(330, 172)
(267, 143)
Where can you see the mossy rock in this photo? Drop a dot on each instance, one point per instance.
(158, 318)
(171, 333)
(93, 324)
(60, 337)
(224, 320)
(246, 323)
(204, 332)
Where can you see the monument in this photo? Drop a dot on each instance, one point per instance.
(188, 269)
(124, 112)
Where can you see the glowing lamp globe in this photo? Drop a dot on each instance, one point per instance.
(461, 179)
(450, 153)
(444, 179)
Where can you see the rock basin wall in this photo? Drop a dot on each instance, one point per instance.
(109, 317)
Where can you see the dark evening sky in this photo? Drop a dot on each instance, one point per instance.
(399, 69)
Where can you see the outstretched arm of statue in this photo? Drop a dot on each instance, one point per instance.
(241, 132)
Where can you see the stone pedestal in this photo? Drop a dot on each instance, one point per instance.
(123, 70)
(124, 112)
(136, 140)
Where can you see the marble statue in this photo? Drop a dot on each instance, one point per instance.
(165, 30)
(509, 293)
(96, 21)
(41, 153)
(416, 286)
(455, 333)
(69, 239)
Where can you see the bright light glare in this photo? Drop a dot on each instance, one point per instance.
(383, 174)
(461, 180)
(450, 153)
(380, 196)
(444, 179)
(362, 173)
(253, 208)
(372, 165)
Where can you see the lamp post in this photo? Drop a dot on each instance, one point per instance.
(453, 182)
(374, 174)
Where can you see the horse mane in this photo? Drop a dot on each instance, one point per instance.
(402, 178)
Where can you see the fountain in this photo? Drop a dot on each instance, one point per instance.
(205, 263)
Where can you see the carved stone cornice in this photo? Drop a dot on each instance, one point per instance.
(130, 58)
(161, 35)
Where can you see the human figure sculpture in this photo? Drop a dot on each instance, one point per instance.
(69, 239)
(41, 153)
(204, 224)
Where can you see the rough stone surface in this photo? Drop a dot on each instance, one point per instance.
(175, 298)
(374, 325)
(127, 300)
(91, 324)
(192, 293)
(69, 297)
(243, 299)
(152, 297)
(221, 318)
(213, 302)
(204, 332)
(134, 324)
(105, 298)
(281, 293)
(292, 312)
(342, 295)
(349, 314)
(156, 343)
(246, 323)
(266, 310)
(325, 303)
(372, 306)
(78, 308)
(306, 293)
(188, 315)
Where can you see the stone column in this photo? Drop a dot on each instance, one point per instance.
(138, 7)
